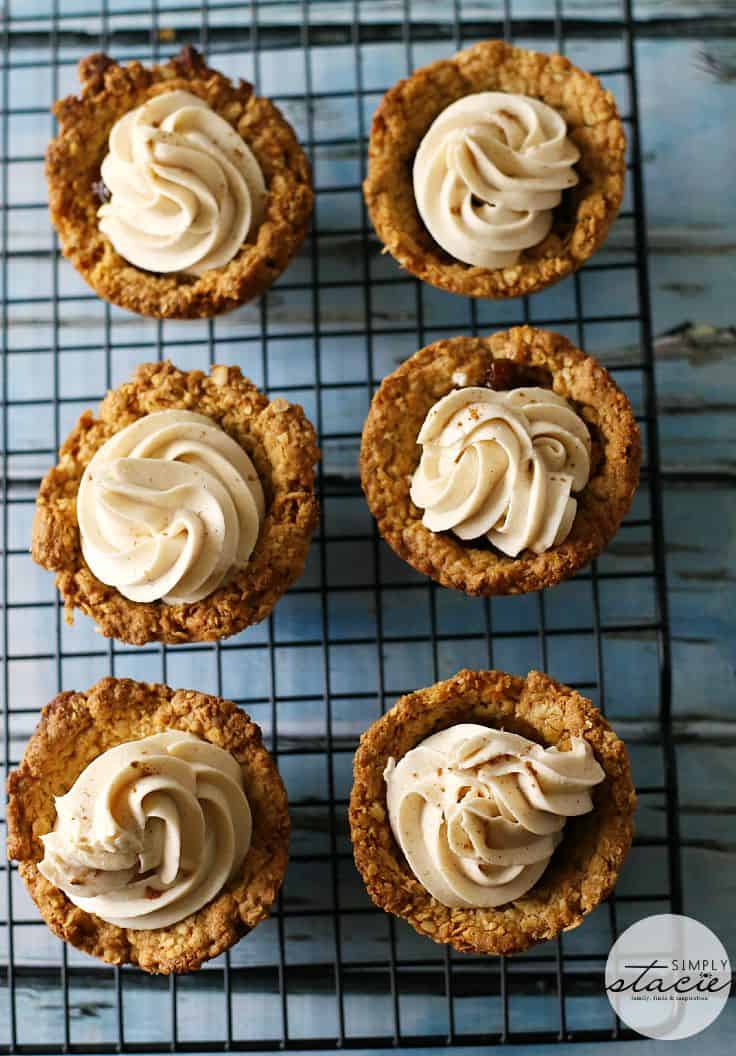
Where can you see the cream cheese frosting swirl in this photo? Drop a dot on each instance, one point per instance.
(479, 812)
(168, 507)
(503, 465)
(150, 831)
(489, 172)
(186, 190)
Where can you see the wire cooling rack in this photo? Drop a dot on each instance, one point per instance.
(327, 970)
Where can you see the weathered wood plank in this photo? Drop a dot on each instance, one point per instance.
(691, 224)
(693, 373)
(342, 11)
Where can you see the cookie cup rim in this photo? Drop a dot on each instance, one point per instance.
(76, 728)
(73, 158)
(586, 865)
(390, 455)
(281, 442)
(406, 112)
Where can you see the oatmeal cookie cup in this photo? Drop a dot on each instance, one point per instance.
(586, 212)
(583, 869)
(390, 455)
(73, 162)
(282, 445)
(75, 728)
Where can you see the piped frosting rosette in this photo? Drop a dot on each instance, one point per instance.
(479, 812)
(489, 172)
(150, 831)
(502, 465)
(168, 507)
(185, 189)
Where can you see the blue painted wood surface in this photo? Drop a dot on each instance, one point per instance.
(686, 98)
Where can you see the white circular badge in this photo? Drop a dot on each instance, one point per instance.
(668, 976)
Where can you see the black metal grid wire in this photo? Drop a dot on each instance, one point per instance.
(531, 998)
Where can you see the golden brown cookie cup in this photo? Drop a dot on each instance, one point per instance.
(73, 161)
(584, 868)
(75, 729)
(390, 455)
(283, 447)
(581, 221)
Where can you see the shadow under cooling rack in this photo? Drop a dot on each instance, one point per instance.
(327, 969)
